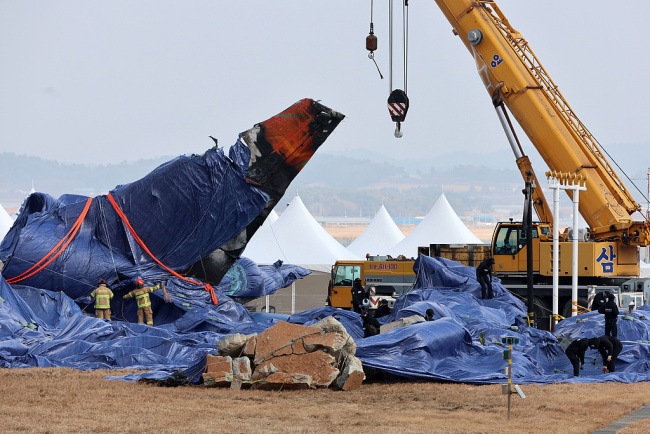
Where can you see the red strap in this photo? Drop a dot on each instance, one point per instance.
(65, 241)
(144, 247)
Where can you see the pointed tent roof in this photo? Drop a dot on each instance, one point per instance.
(440, 226)
(5, 222)
(297, 238)
(270, 219)
(378, 237)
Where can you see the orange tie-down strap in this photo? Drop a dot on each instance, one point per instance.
(56, 251)
(206, 286)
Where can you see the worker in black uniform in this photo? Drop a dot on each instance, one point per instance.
(576, 354)
(484, 277)
(358, 294)
(428, 315)
(383, 309)
(610, 310)
(609, 348)
(599, 300)
(371, 326)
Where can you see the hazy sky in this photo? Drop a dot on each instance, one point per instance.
(97, 82)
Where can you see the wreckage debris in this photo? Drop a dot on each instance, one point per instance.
(402, 322)
(287, 356)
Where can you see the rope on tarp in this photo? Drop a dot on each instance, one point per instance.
(60, 246)
(119, 212)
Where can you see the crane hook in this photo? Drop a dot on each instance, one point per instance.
(371, 46)
(398, 131)
(398, 105)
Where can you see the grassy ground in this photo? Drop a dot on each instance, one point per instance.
(64, 400)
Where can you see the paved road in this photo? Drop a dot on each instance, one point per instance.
(625, 421)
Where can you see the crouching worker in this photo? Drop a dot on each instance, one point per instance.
(141, 294)
(609, 348)
(576, 354)
(102, 296)
(371, 326)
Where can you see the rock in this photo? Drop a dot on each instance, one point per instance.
(231, 345)
(249, 348)
(403, 322)
(210, 380)
(283, 380)
(217, 365)
(320, 366)
(288, 356)
(241, 369)
(352, 375)
(332, 343)
(236, 384)
(261, 372)
(332, 325)
(298, 347)
(278, 339)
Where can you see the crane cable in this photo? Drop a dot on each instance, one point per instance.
(645, 217)
(398, 102)
(405, 39)
(371, 41)
(390, 46)
(405, 26)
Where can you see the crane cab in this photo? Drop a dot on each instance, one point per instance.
(596, 259)
(509, 247)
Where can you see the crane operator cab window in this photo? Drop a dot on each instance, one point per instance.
(522, 235)
(507, 241)
(511, 239)
(344, 275)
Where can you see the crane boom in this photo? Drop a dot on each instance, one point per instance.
(508, 66)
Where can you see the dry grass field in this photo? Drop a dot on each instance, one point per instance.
(64, 400)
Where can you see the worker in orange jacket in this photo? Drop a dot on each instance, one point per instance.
(141, 294)
(102, 296)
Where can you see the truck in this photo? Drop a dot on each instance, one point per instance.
(382, 277)
(608, 252)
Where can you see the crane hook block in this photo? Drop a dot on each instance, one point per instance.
(371, 42)
(398, 105)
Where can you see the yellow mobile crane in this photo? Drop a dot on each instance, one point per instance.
(515, 78)
(513, 75)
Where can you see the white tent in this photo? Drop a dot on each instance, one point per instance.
(378, 237)
(297, 238)
(440, 226)
(5, 222)
(270, 219)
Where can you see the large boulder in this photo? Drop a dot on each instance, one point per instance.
(288, 355)
(231, 345)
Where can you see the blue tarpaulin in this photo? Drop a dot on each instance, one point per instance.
(184, 209)
(462, 344)
(449, 348)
